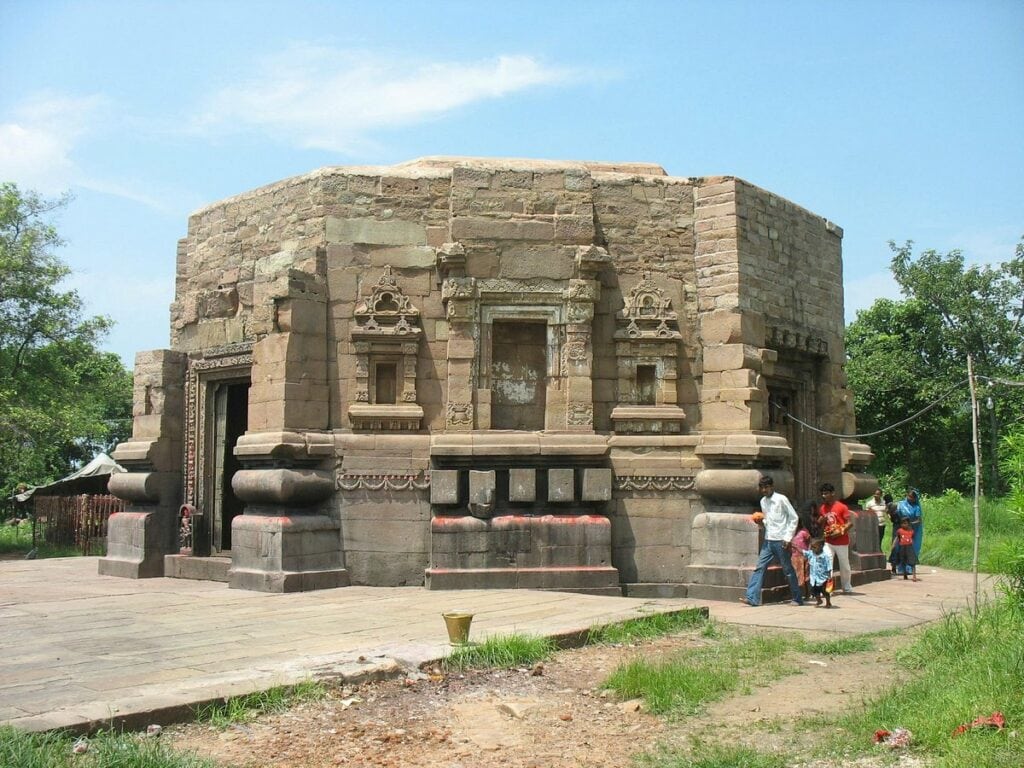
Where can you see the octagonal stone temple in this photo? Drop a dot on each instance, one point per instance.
(471, 373)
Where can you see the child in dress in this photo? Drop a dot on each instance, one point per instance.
(820, 566)
(800, 542)
(903, 556)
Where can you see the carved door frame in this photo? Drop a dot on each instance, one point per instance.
(232, 365)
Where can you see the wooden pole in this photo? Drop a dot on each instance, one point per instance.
(977, 473)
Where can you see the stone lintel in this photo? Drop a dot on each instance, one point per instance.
(643, 441)
(743, 445)
(277, 444)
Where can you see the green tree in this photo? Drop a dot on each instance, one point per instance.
(906, 355)
(61, 398)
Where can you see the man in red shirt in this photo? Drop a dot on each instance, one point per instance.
(834, 519)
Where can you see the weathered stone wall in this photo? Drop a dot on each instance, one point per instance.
(376, 218)
(237, 252)
(752, 285)
(383, 504)
(793, 262)
(647, 225)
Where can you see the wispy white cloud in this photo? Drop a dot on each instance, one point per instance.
(40, 145)
(319, 98)
(37, 143)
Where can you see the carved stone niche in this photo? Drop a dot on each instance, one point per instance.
(386, 337)
(647, 349)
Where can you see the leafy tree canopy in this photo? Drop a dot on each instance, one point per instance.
(61, 398)
(905, 355)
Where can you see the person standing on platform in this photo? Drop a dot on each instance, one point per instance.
(779, 520)
(834, 517)
(877, 505)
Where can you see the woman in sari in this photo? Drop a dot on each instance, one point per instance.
(910, 508)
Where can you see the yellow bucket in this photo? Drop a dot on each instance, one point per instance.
(458, 623)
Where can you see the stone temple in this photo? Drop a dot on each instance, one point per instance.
(469, 373)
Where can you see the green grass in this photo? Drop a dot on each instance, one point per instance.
(17, 539)
(500, 651)
(685, 682)
(949, 532)
(244, 709)
(712, 756)
(965, 666)
(106, 750)
(840, 646)
(646, 628)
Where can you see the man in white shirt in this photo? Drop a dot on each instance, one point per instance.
(881, 509)
(780, 522)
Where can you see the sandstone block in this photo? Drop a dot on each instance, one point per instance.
(522, 484)
(597, 484)
(561, 484)
(375, 232)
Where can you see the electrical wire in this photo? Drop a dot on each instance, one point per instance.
(900, 423)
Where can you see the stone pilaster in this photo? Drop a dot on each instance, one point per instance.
(459, 296)
(284, 541)
(139, 537)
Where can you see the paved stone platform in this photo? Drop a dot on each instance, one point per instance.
(81, 651)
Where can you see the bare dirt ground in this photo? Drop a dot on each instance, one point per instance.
(553, 716)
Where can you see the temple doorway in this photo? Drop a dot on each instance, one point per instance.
(228, 403)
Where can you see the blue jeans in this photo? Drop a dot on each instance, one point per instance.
(772, 550)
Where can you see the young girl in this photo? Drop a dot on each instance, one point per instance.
(903, 556)
(800, 542)
(820, 565)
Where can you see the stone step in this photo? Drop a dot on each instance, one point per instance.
(199, 568)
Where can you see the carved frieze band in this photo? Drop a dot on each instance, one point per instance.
(417, 482)
(653, 483)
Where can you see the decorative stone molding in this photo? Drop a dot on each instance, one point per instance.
(282, 487)
(386, 341)
(581, 414)
(385, 418)
(653, 483)
(350, 482)
(459, 414)
(233, 360)
(451, 261)
(648, 419)
(648, 314)
(786, 339)
(647, 348)
(857, 483)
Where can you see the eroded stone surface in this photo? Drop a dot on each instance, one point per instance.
(504, 339)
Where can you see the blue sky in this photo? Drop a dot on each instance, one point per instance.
(896, 120)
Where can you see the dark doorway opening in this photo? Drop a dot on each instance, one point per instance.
(518, 374)
(229, 422)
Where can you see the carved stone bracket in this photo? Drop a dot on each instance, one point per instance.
(786, 339)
